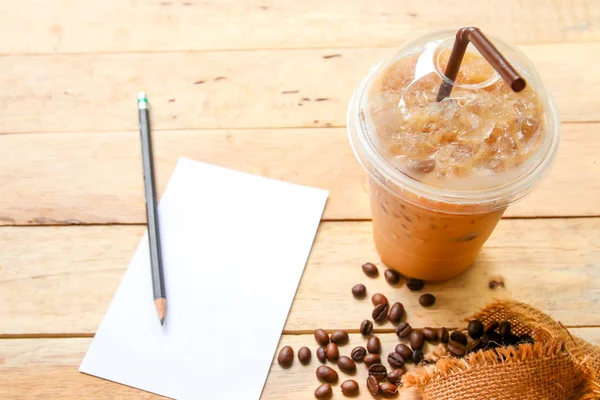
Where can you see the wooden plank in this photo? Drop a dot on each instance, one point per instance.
(232, 89)
(31, 369)
(72, 178)
(550, 263)
(80, 26)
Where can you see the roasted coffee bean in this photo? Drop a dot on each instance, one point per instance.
(443, 335)
(526, 339)
(370, 269)
(430, 334)
(378, 299)
(396, 313)
(427, 300)
(324, 391)
(395, 360)
(359, 291)
(339, 337)
(322, 355)
(304, 355)
(504, 329)
(374, 345)
(286, 357)
(358, 353)
(366, 327)
(388, 389)
(403, 329)
(373, 385)
(415, 284)
(395, 376)
(459, 337)
(332, 352)
(322, 337)
(346, 364)
(417, 339)
(380, 313)
(371, 359)
(391, 276)
(379, 371)
(404, 351)
(349, 388)
(473, 346)
(326, 374)
(475, 329)
(491, 326)
(456, 348)
(417, 356)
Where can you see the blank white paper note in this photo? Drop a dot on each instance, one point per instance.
(234, 249)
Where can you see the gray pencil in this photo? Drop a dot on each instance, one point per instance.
(158, 284)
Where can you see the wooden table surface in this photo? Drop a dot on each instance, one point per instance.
(260, 86)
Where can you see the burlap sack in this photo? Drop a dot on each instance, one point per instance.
(558, 366)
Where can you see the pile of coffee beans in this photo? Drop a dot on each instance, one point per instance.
(381, 382)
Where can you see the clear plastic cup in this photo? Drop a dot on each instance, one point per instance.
(432, 212)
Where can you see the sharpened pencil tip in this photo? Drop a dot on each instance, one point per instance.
(161, 308)
(162, 321)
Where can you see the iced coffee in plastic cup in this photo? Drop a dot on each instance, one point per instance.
(442, 173)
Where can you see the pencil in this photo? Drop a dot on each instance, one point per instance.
(158, 284)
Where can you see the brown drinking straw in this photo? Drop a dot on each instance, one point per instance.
(488, 51)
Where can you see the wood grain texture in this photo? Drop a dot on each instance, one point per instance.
(537, 258)
(34, 26)
(232, 89)
(31, 369)
(97, 179)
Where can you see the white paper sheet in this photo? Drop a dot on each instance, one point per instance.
(234, 249)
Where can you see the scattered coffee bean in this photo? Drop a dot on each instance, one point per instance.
(491, 326)
(396, 313)
(304, 355)
(379, 371)
(504, 329)
(475, 329)
(415, 284)
(332, 352)
(378, 299)
(430, 334)
(370, 269)
(404, 351)
(324, 391)
(358, 353)
(417, 356)
(456, 348)
(322, 337)
(326, 374)
(374, 345)
(388, 389)
(473, 346)
(339, 337)
(395, 360)
(380, 313)
(349, 388)
(459, 337)
(346, 364)
(417, 339)
(525, 338)
(443, 335)
(371, 359)
(427, 300)
(359, 291)
(286, 357)
(395, 376)
(403, 329)
(373, 385)
(322, 355)
(366, 327)
(391, 276)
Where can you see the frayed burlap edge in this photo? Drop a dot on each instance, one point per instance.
(449, 367)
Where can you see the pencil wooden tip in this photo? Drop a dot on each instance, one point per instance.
(161, 308)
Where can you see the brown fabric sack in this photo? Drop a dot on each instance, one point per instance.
(558, 366)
